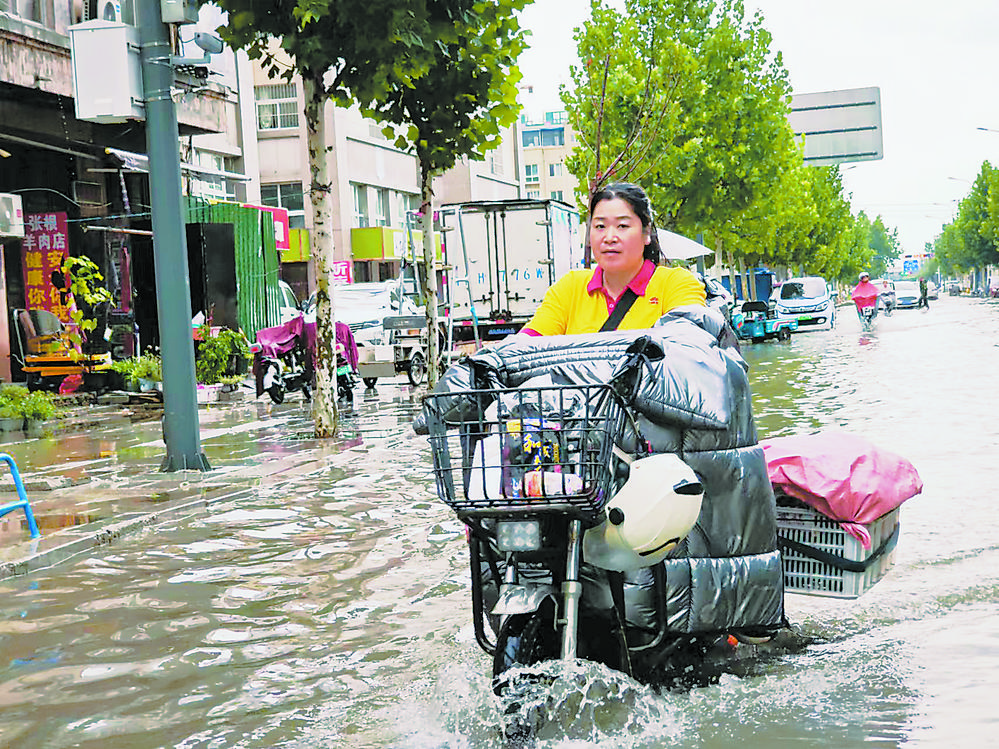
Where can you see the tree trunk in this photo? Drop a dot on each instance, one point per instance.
(430, 266)
(324, 409)
(747, 284)
(733, 274)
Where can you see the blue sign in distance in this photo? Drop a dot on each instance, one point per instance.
(910, 267)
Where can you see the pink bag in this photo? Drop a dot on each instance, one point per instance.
(843, 476)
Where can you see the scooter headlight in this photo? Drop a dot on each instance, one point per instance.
(518, 535)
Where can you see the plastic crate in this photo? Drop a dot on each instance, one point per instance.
(803, 574)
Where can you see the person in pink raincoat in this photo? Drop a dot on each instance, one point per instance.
(865, 294)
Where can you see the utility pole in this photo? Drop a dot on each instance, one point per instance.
(173, 286)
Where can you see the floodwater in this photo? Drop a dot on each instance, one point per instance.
(332, 610)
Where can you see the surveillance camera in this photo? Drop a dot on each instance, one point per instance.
(208, 42)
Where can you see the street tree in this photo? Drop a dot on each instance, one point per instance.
(456, 108)
(626, 96)
(347, 51)
(977, 223)
(687, 98)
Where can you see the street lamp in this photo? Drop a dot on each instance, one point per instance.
(987, 129)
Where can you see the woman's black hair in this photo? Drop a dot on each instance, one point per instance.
(634, 196)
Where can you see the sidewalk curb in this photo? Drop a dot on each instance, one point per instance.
(108, 535)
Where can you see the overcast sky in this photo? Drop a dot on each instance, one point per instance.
(937, 65)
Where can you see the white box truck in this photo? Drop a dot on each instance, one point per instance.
(499, 259)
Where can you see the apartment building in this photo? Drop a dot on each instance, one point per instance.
(546, 142)
(375, 184)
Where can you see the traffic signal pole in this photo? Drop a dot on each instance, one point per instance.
(173, 286)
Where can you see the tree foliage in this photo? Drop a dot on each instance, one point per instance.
(688, 99)
(347, 50)
(457, 107)
(972, 239)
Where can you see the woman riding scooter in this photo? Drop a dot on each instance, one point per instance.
(865, 296)
(687, 394)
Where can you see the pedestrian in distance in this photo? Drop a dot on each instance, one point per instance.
(924, 302)
(627, 289)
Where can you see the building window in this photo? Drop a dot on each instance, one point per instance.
(531, 173)
(555, 170)
(277, 106)
(534, 194)
(531, 138)
(556, 195)
(404, 203)
(495, 165)
(360, 206)
(383, 217)
(288, 195)
(553, 137)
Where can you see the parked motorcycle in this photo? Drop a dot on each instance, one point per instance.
(346, 374)
(282, 359)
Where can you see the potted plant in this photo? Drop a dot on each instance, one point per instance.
(125, 370)
(92, 302)
(38, 407)
(149, 372)
(12, 408)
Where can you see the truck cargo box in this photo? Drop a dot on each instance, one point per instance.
(500, 258)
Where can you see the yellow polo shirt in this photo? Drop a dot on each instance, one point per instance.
(578, 302)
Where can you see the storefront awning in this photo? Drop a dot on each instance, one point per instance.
(139, 162)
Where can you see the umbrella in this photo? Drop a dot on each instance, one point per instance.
(678, 247)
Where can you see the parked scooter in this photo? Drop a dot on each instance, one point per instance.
(282, 360)
(346, 363)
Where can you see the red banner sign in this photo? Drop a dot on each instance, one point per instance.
(343, 271)
(43, 250)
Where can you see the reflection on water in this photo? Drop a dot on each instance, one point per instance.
(331, 610)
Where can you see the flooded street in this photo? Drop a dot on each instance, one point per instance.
(331, 610)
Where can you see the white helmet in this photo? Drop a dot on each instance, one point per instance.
(654, 510)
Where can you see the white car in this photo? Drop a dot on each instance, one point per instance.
(290, 306)
(906, 294)
(809, 300)
(363, 306)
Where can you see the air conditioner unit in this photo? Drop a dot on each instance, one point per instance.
(109, 10)
(11, 216)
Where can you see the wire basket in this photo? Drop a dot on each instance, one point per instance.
(527, 450)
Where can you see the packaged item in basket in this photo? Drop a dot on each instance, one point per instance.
(548, 483)
(530, 445)
(484, 476)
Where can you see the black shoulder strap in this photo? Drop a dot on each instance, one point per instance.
(623, 305)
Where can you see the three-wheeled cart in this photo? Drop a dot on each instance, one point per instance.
(404, 350)
(754, 321)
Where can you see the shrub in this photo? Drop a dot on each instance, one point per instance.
(218, 355)
(39, 406)
(146, 367)
(18, 403)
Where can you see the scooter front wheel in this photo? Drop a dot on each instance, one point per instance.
(276, 392)
(523, 640)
